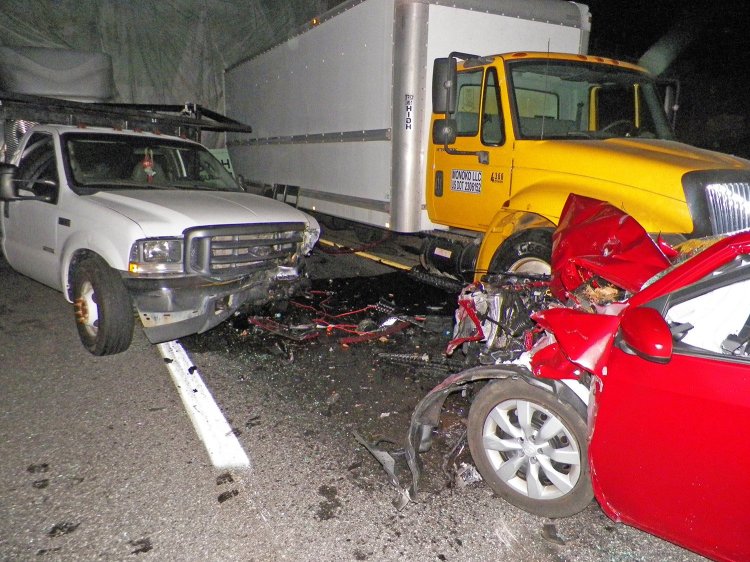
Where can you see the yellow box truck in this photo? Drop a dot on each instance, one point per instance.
(469, 124)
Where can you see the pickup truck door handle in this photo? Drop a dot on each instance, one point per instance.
(63, 221)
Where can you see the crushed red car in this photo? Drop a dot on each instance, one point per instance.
(631, 385)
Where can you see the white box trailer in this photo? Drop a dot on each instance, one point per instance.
(342, 109)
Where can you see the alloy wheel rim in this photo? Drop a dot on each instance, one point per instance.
(531, 450)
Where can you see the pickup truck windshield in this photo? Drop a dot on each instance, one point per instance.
(100, 161)
(565, 99)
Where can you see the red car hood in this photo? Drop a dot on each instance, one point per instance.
(595, 238)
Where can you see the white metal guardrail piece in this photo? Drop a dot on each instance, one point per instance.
(212, 427)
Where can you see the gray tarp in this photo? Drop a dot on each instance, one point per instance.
(163, 51)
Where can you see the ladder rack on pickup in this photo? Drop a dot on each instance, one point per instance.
(187, 120)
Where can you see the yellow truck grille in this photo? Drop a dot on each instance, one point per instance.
(728, 206)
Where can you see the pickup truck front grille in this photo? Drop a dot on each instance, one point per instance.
(728, 206)
(236, 250)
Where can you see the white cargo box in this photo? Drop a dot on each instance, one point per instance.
(58, 73)
(342, 110)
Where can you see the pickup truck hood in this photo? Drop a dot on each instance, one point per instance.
(652, 165)
(168, 212)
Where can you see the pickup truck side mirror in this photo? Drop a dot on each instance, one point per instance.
(444, 76)
(444, 131)
(9, 186)
(8, 189)
(646, 334)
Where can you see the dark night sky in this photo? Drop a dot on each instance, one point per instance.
(714, 70)
(626, 28)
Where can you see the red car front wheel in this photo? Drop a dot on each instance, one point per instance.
(530, 447)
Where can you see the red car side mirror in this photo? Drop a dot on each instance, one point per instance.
(646, 333)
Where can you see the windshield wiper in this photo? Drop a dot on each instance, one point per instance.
(115, 185)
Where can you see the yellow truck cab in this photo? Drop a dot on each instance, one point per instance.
(514, 134)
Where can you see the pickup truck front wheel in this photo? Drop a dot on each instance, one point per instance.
(103, 312)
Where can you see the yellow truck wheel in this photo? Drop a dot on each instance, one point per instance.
(527, 251)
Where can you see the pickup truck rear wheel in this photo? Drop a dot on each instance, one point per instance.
(528, 251)
(531, 448)
(103, 312)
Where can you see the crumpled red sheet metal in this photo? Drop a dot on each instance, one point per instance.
(595, 238)
(585, 339)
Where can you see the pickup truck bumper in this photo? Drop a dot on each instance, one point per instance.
(175, 307)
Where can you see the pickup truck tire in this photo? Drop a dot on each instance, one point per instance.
(531, 448)
(103, 311)
(528, 251)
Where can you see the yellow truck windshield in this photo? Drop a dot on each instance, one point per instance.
(570, 99)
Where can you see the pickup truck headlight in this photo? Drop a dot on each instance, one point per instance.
(157, 255)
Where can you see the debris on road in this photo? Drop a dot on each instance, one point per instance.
(467, 474)
(64, 528)
(353, 310)
(224, 478)
(298, 333)
(549, 532)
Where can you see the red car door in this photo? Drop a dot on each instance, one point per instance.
(669, 449)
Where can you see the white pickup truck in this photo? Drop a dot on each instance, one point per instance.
(118, 218)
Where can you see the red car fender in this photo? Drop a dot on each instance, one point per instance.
(549, 362)
(586, 339)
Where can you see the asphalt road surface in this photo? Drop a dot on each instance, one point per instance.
(99, 459)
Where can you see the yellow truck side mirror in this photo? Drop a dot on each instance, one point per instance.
(444, 91)
(444, 131)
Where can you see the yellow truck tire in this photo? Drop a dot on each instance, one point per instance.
(527, 251)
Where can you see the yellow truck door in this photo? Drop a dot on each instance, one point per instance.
(466, 190)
